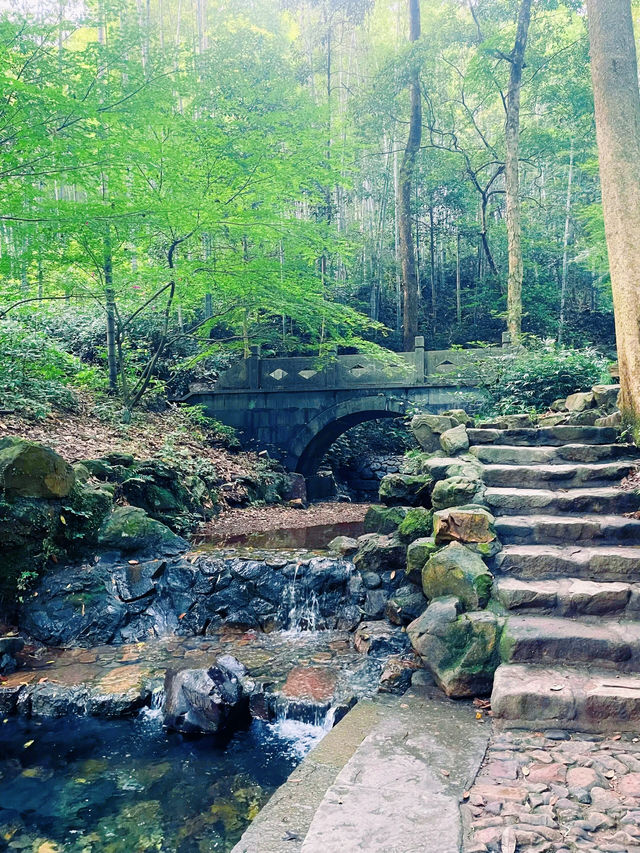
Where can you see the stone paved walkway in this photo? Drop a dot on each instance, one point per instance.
(555, 792)
(388, 779)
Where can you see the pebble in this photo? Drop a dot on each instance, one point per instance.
(560, 793)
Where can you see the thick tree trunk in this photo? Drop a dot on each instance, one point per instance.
(407, 167)
(512, 178)
(614, 71)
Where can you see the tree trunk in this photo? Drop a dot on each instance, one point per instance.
(565, 250)
(110, 305)
(458, 294)
(432, 252)
(614, 71)
(405, 180)
(512, 180)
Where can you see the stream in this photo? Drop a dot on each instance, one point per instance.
(127, 784)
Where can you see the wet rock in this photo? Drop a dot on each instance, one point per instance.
(371, 580)
(455, 440)
(383, 519)
(207, 700)
(9, 648)
(317, 683)
(405, 605)
(375, 603)
(406, 490)
(397, 674)
(379, 639)
(456, 571)
(456, 491)
(29, 470)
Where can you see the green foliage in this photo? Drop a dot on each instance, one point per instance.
(35, 373)
(211, 429)
(417, 523)
(532, 379)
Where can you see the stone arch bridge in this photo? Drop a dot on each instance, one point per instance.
(296, 407)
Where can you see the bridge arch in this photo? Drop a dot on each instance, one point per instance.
(313, 441)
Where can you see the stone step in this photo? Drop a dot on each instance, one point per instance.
(550, 640)
(560, 529)
(568, 597)
(534, 501)
(602, 562)
(559, 697)
(566, 474)
(557, 435)
(507, 454)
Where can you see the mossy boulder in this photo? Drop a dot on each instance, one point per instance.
(455, 570)
(30, 470)
(417, 523)
(82, 514)
(463, 524)
(406, 490)
(462, 652)
(27, 529)
(456, 491)
(383, 519)
(428, 428)
(130, 529)
(419, 553)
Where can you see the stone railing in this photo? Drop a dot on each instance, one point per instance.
(419, 367)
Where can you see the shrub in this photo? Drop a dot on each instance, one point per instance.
(35, 372)
(532, 379)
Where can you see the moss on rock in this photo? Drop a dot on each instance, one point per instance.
(457, 571)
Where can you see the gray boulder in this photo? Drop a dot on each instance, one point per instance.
(207, 700)
(455, 440)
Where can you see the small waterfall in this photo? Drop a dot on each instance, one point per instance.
(302, 734)
(301, 607)
(153, 711)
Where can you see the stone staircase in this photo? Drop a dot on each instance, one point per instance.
(568, 576)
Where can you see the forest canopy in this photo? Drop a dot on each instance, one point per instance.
(182, 181)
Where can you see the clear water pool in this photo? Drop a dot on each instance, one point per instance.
(87, 785)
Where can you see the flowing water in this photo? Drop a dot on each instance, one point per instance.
(125, 786)
(128, 786)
